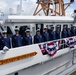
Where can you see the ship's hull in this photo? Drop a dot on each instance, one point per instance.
(38, 64)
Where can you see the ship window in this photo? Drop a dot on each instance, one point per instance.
(40, 26)
(9, 32)
(22, 29)
(1, 28)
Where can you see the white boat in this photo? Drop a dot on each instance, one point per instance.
(29, 60)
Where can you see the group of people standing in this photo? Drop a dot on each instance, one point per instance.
(47, 35)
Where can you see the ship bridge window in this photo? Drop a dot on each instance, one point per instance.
(9, 32)
(40, 26)
(1, 29)
(22, 29)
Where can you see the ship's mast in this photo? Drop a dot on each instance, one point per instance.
(57, 7)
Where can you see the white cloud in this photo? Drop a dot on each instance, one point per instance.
(3, 6)
(28, 6)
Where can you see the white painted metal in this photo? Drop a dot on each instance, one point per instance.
(40, 19)
(25, 63)
(50, 67)
(39, 64)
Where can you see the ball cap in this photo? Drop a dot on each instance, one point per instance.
(16, 29)
(64, 27)
(58, 26)
(45, 28)
(27, 30)
(38, 30)
(52, 26)
(4, 31)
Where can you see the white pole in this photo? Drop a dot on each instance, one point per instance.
(20, 7)
(53, 6)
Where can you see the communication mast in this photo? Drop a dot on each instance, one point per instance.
(57, 7)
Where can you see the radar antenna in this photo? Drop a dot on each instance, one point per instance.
(56, 7)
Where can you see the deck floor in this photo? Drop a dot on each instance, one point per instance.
(74, 73)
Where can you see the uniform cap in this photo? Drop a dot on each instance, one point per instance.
(4, 31)
(17, 29)
(27, 30)
(45, 27)
(64, 27)
(52, 26)
(37, 30)
(58, 26)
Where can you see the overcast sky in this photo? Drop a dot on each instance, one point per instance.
(28, 6)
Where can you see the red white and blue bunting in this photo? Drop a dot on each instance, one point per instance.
(70, 42)
(50, 47)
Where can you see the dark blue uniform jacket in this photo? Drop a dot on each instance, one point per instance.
(38, 39)
(68, 34)
(52, 35)
(27, 40)
(16, 41)
(45, 36)
(73, 32)
(64, 34)
(5, 42)
(57, 34)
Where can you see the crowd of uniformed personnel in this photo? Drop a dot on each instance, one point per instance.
(47, 35)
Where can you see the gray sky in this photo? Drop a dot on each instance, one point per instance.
(28, 6)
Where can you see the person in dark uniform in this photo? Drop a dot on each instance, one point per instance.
(45, 35)
(73, 31)
(64, 32)
(68, 32)
(16, 39)
(27, 38)
(38, 38)
(52, 34)
(5, 40)
(57, 32)
(64, 35)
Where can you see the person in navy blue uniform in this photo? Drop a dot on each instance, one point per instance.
(0, 43)
(16, 39)
(27, 38)
(73, 31)
(52, 34)
(64, 32)
(68, 32)
(38, 38)
(45, 35)
(57, 32)
(5, 40)
(38, 0)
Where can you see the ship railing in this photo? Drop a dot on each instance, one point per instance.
(63, 44)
